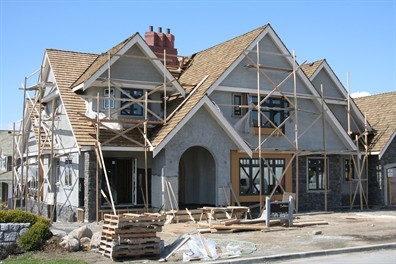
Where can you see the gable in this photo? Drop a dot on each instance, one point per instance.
(275, 66)
(134, 65)
(131, 60)
(335, 95)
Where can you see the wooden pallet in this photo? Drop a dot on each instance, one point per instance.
(131, 235)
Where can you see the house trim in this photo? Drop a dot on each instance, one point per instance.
(137, 39)
(324, 65)
(216, 114)
(382, 152)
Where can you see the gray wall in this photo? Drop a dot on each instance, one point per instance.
(201, 130)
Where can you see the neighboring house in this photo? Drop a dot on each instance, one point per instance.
(380, 111)
(6, 154)
(135, 127)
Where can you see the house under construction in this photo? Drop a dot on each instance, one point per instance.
(140, 128)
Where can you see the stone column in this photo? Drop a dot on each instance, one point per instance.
(90, 164)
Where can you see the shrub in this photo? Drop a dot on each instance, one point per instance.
(35, 237)
(17, 216)
(38, 232)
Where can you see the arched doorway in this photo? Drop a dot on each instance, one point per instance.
(197, 178)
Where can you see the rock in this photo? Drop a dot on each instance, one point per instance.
(316, 232)
(70, 244)
(85, 243)
(95, 240)
(83, 231)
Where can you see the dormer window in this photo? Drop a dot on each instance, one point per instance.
(129, 107)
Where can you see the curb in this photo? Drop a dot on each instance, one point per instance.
(263, 259)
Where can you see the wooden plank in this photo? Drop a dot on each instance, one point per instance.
(309, 223)
(240, 227)
(128, 241)
(230, 222)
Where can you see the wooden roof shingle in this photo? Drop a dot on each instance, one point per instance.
(68, 67)
(310, 68)
(212, 62)
(380, 111)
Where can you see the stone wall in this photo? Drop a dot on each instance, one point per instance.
(10, 232)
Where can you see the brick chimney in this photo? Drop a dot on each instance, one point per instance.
(158, 42)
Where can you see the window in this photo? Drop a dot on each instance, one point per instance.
(249, 180)
(349, 170)
(108, 102)
(68, 172)
(315, 174)
(3, 163)
(271, 109)
(130, 108)
(378, 170)
(57, 171)
(237, 102)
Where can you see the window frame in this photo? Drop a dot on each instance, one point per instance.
(108, 101)
(3, 163)
(320, 181)
(237, 109)
(272, 109)
(68, 177)
(250, 167)
(349, 170)
(134, 109)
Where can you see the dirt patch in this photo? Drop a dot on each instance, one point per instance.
(342, 230)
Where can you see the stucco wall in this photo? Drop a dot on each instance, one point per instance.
(201, 130)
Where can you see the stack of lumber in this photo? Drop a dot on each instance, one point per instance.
(131, 236)
(238, 225)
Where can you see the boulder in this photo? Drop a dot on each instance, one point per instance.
(82, 231)
(70, 244)
(95, 240)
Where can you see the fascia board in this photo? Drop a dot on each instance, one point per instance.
(137, 39)
(105, 66)
(236, 62)
(176, 129)
(79, 87)
(382, 152)
(160, 66)
(215, 113)
(325, 66)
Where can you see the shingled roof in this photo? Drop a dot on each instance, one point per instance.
(212, 62)
(310, 68)
(68, 67)
(380, 111)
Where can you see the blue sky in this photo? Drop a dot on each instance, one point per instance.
(355, 37)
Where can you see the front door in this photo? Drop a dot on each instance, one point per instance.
(391, 179)
(121, 173)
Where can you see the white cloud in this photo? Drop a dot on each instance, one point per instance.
(359, 94)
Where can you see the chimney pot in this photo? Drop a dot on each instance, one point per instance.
(159, 29)
(168, 31)
(151, 28)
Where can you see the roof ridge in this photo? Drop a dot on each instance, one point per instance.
(232, 39)
(71, 51)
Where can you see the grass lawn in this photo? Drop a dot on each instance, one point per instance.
(27, 259)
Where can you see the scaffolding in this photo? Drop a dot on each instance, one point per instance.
(360, 139)
(135, 132)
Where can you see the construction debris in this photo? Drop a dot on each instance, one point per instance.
(195, 247)
(129, 236)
